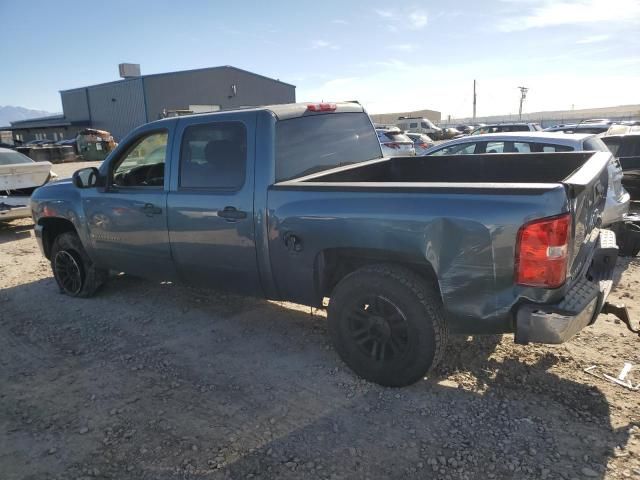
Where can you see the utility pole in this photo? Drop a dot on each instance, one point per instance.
(474, 101)
(523, 95)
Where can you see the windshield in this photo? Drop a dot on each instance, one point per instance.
(313, 143)
(12, 158)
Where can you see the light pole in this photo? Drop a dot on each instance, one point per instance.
(474, 101)
(523, 95)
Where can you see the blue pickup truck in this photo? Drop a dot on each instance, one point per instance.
(296, 202)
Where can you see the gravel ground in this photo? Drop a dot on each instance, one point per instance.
(157, 381)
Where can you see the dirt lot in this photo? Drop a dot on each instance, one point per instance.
(157, 381)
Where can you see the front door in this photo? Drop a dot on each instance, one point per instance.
(127, 220)
(210, 203)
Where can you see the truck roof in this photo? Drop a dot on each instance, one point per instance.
(283, 111)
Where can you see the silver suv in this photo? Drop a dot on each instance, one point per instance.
(618, 199)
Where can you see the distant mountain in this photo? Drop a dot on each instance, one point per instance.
(10, 114)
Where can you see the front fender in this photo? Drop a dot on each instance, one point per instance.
(60, 201)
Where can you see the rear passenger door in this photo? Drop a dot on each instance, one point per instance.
(210, 203)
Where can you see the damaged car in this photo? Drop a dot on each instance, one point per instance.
(19, 177)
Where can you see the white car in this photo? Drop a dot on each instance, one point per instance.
(394, 143)
(19, 176)
(618, 199)
(421, 142)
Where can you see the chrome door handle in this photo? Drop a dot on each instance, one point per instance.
(232, 214)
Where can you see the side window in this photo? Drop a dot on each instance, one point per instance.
(460, 149)
(521, 147)
(424, 125)
(595, 144)
(413, 125)
(555, 148)
(495, 147)
(214, 155)
(613, 144)
(143, 163)
(631, 147)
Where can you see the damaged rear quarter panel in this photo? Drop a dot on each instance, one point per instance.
(467, 238)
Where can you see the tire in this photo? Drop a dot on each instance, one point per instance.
(75, 273)
(392, 307)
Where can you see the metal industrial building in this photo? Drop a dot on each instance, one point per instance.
(122, 105)
(392, 118)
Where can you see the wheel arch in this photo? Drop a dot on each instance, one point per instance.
(332, 265)
(51, 228)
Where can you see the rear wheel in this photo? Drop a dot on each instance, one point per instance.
(75, 273)
(387, 325)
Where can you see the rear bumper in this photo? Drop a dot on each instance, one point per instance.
(557, 323)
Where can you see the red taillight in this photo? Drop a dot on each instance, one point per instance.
(321, 107)
(542, 252)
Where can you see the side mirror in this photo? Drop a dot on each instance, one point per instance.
(86, 177)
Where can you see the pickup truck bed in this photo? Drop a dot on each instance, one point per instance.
(405, 249)
(432, 213)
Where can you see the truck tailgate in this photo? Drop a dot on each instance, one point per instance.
(587, 192)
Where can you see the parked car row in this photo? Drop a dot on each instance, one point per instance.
(618, 198)
(623, 167)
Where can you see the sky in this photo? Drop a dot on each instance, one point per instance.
(391, 56)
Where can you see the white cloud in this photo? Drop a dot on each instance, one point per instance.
(418, 19)
(415, 20)
(321, 44)
(404, 47)
(341, 82)
(549, 13)
(593, 39)
(384, 13)
(339, 21)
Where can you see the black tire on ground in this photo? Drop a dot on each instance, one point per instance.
(387, 324)
(628, 236)
(75, 273)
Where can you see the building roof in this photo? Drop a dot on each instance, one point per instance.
(178, 72)
(50, 121)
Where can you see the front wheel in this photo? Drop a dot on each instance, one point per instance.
(75, 273)
(387, 325)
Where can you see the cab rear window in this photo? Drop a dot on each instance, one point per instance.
(314, 143)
